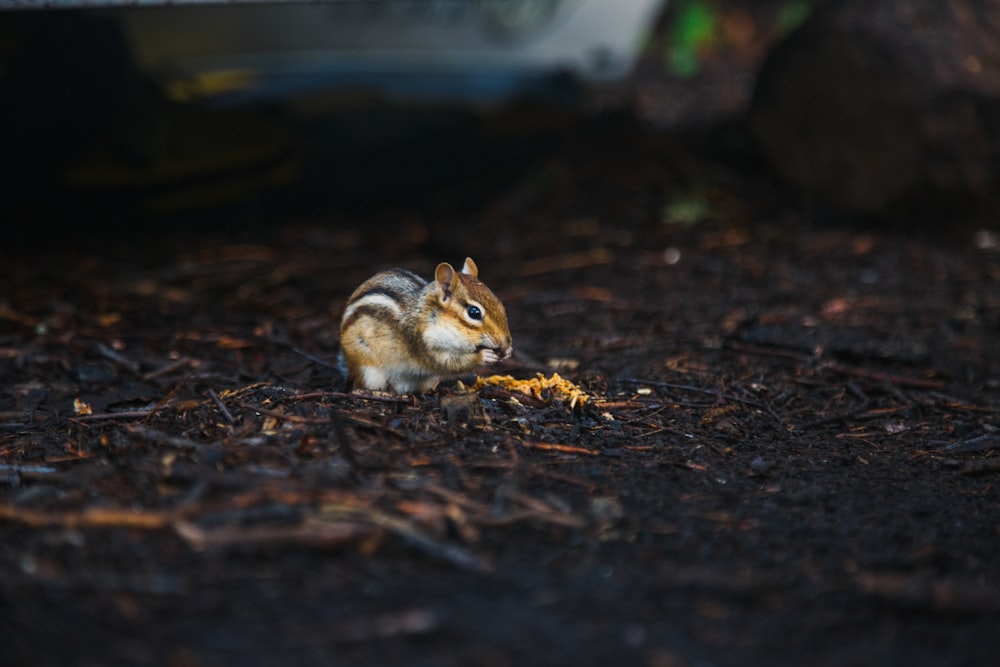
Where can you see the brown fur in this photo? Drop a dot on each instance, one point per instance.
(400, 332)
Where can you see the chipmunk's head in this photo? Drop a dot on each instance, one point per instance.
(472, 327)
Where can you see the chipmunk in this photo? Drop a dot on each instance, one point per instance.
(403, 333)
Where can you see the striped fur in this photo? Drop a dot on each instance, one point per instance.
(403, 333)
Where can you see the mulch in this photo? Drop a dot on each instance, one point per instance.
(789, 454)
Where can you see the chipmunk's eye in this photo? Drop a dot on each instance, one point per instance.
(474, 313)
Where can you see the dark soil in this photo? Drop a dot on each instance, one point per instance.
(790, 454)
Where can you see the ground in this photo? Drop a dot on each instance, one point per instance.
(786, 453)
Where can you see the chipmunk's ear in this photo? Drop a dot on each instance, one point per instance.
(470, 268)
(446, 278)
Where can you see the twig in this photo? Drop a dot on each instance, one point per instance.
(384, 398)
(590, 487)
(296, 419)
(980, 443)
(575, 260)
(168, 368)
(228, 416)
(173, 392)
(117, 357)
(875, 376)
(981, 467)
(956, 404)
(314, 534)
(534, 504)
(699, 390)
(888, 378)
(451, 553)
(830, 419)
(553, 446)
(160, 438)
(405, 623)
(302, 353)
(685, 465)
(455, 497)
(630, 404)
(102, 416)
(29, 469)
(941, 595)
(89, 518)
(343, 441)
(799, 356)
(556, 518)
(506, 394)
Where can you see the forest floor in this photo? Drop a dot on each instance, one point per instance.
(786, 451)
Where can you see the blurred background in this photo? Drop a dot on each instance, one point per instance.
(207, 111)
(868, 112)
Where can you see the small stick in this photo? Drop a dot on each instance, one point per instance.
(531, 503)
(169, 368)
(125, 414)
(358, 394)
(981, 467)
(371, 423)
(956, 404)
(296, 419)
(173, 392)
(454, 497)
(90, 518)
(117, 357)
(160, 438)
(537, 472)
(451, 553)
(557, 518)
(780, 353)
(977, 444)
(899, 380)
(939, 595)
(29, 469)
(404, 623)
(830, 419)
(316, 534)
(340, 433)
(698, 390)
(553, 446)
(519, 396)
(889, 378)
(566, 262)
(302, 353)
(608, 405)
(228, 416)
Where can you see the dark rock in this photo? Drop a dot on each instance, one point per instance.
(464, 409)
(888, 107)
(761, 466)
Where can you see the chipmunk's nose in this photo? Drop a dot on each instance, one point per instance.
(504, 352)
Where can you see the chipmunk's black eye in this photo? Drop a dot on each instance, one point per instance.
(474, 313)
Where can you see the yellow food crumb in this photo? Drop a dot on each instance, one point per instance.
(540, 387)
(81, 407)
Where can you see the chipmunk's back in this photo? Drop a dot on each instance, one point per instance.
(383, 295)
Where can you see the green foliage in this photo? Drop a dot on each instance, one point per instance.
(792, 14)
(698, 30)
(686, 209)
(693, 33)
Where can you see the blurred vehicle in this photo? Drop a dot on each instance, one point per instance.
(468, 49)
(109, 97)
